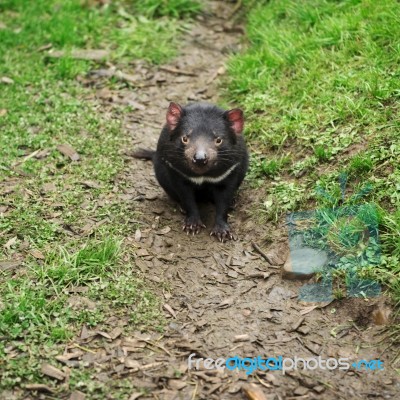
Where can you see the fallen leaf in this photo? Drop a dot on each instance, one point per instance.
(39, 387)
(164, 231)
(6, 80)
(138, 235)
(49, 187)
(42, 154)
(87, 54)
(176, 384)
(91, 184)
(253, 392)
(104, 334)
(5, 265)
(10, 243)
(307, 310)
(142, 253)
(37, 254)
(53, 372)
(132, 364)
(3, 112)
(69, 356)
(225, 303)
(116, 332)
(45, 47)
(77, 395)
(170, 310)
(241, 338)
(68, 151)
(221, 70)
(135, 396)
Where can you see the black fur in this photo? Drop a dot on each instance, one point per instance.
(172, 168)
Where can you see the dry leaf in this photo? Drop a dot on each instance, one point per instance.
(69, 356)
(164, 231)
(45, 47)
(221, 70)
(68, 151)
(176, 384)
(241, 338)
(104, 334)
(49, 187)
(307, 310)
(170, 310)
(225, 303)
(142, 253)
(89, 54)
(37, 254)
(10, 243)
(116, 332)
(7, 80)
(39, 387)
(91, 184)
(3, 112)
(132, 364)
(6, 265)
(138, 235)
(135, 396)
(77, 395)
(53, 372)
(253, 392)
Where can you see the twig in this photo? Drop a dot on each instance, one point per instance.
(177, 71)
(194, 391)
(84, 348)
(156, 345)
(263, 255)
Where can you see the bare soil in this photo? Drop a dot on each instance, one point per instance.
(225, 299)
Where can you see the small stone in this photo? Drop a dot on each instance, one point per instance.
(303, 263)
(300, 391)
(305, 330)
(77, 395)
(319, 388)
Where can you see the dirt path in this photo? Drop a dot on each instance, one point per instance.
(224, 300)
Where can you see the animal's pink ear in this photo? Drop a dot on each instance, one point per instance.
(174, 114)
(236, 119)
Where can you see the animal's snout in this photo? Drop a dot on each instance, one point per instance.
(200, 158)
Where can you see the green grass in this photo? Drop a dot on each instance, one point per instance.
(64, 220)
(172, 8)
(319, 82)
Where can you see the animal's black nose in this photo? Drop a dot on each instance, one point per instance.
(200, 158)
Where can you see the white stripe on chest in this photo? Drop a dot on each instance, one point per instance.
(199, 180)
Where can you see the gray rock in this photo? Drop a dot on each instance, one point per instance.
(303, 263)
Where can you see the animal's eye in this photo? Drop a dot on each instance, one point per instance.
(185, 139)
(218, 141)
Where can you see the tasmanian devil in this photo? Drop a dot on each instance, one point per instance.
(201, 155)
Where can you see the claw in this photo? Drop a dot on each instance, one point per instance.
(192, 225)
(222, 232)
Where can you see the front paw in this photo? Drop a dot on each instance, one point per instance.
(192, 225)
(222, 232)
